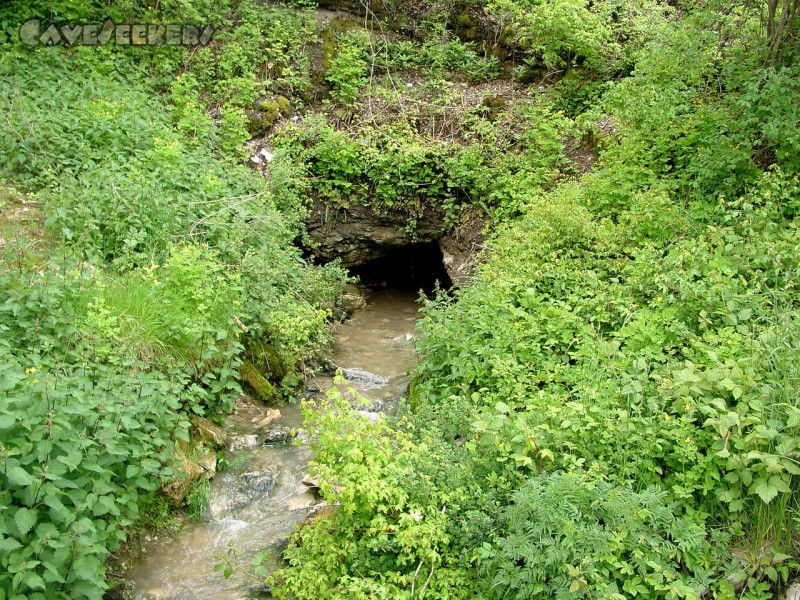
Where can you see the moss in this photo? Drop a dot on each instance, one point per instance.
(284, 106)
(262, 388)
(465, 27)
(493, 106)
(329, 35)
(494, 103)
(267, 360)
(267, 114)
(465, 20)
(270, 109)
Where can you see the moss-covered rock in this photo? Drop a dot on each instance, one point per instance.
(493, 106)
(266, 359)
(466, 27)
(191, 463)
(207, 432)
(267, 113)
(284, 106)
(262, 388)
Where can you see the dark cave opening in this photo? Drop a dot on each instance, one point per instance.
(408, 268)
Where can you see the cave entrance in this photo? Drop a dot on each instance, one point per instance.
(409, 268)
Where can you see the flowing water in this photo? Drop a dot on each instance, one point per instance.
(257, 505)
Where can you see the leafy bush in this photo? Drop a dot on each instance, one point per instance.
(173, 263)
(347, 72)
(390, 522)
(84, 442)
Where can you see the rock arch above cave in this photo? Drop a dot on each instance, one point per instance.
(367, 241)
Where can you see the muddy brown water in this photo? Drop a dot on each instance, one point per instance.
(256, 506)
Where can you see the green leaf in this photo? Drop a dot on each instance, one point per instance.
(8, 544)
(765, 490)
(24, 519)
(19, 476)
(34, 581)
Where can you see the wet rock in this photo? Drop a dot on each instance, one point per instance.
(300, 501)
(402, 340)
(372, 406)
(189, 471)
(243, 442)
(261, 482)
(278, 435)
(271, 415)
(364, 377)
(352, 299)
(314, 387)
(371, 415)
(208, 432)
(793, 593)
(241, 490)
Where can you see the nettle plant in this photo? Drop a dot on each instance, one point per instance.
(83, 441)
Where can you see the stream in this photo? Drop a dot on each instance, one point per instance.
(256, 506)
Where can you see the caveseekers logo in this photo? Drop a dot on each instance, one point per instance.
(34, 33)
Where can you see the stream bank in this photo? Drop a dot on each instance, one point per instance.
(256, 505)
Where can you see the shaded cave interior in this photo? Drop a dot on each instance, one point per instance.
(412, 267)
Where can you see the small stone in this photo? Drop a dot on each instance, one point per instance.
(271, 415)
(793, 593)
(278, 435)
(243, 442)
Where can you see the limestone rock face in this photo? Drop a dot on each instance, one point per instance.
(208, 432)
(189, 471)
(359, 234)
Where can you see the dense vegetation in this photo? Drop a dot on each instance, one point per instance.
(164, 270)
(609, 409)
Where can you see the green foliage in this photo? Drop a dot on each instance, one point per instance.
(390, 523)
(439, 56)
(347, 72)
(393, 167)
(617, 389)
(560, 30)
(258, 51)
(171, 261)
(567, 538)
(83, 441)
(198, 499)
(602, 36)
(234, 133)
